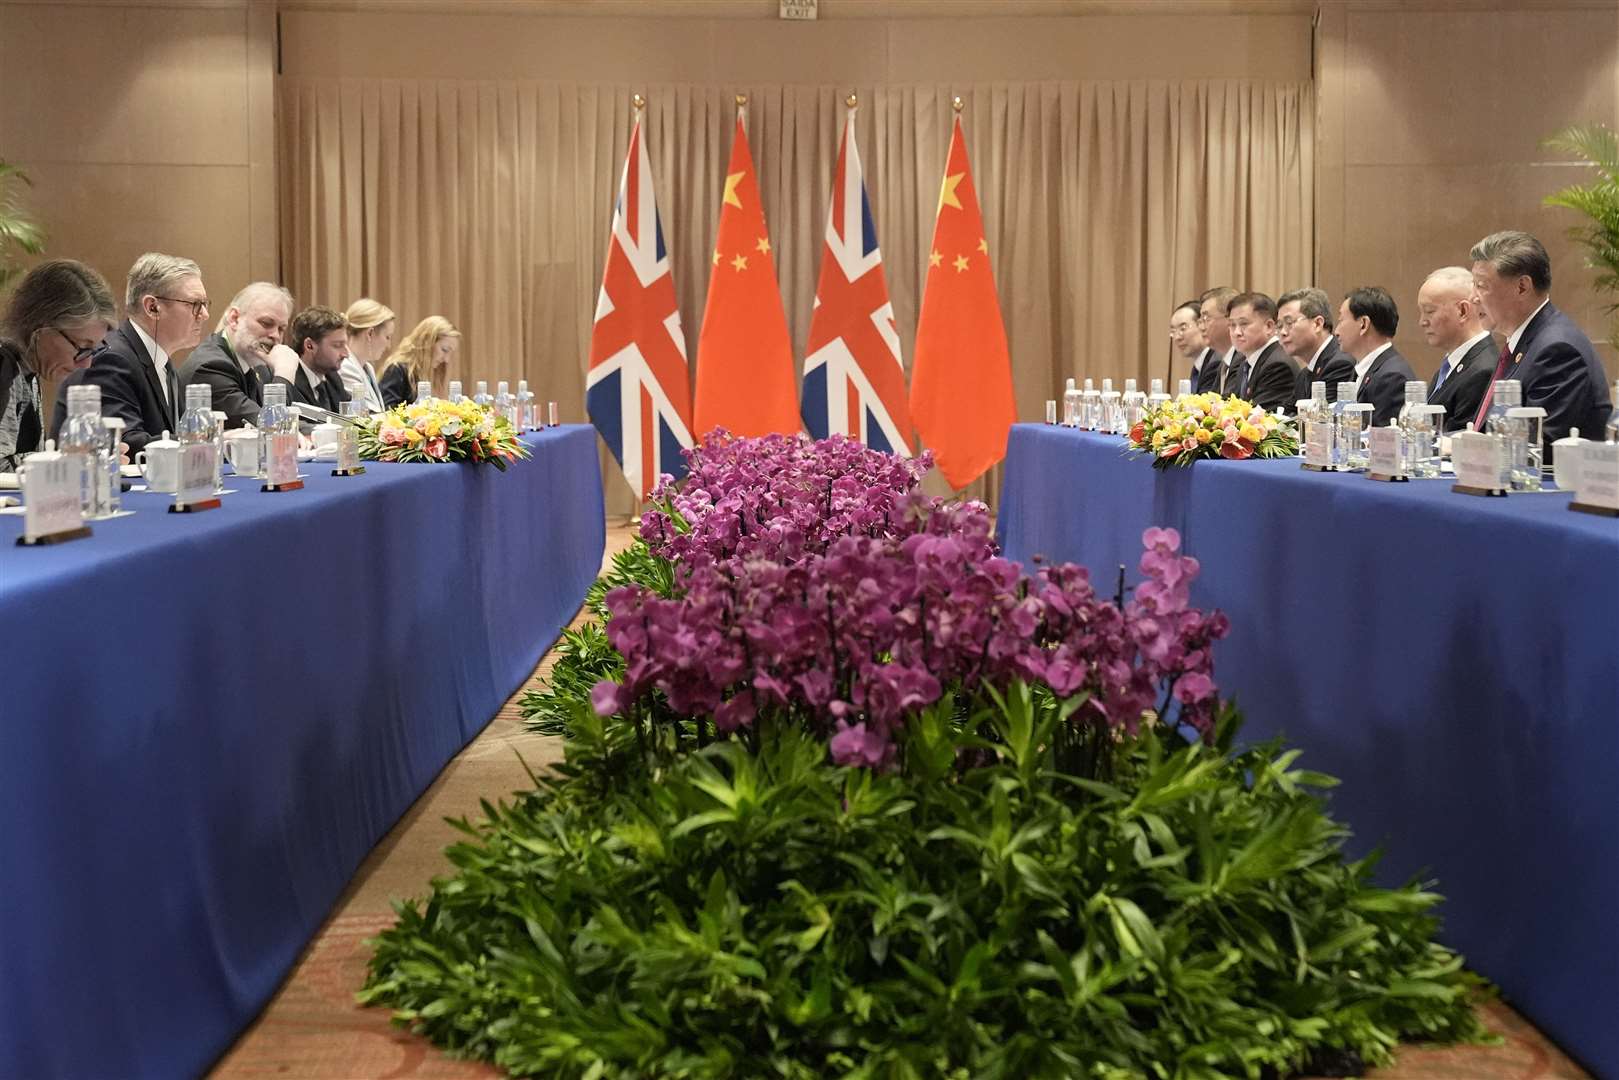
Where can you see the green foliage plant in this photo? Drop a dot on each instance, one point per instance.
(18, 231)
(1598, 146)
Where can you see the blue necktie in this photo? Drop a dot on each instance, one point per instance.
(1439, 379)
(1242, 380)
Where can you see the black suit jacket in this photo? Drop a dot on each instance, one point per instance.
(1332, 367)
(238, 394)
(1384, 386)
(1463, 389)
(129, 385)
(1559, 372)
(396, 387)
(328, 394)
(1270, 379)
(1206, 379)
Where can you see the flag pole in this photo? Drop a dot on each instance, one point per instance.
(637, 104)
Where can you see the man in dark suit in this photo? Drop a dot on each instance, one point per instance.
(1214, 309)
(1188, 340)
(1448, 314)
(1544, 350)
(1302, 318)
(167, 309)
(1367, 320)
(1265, 374)
(234, 360)
(318, 340)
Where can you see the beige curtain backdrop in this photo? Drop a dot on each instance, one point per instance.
(490, 203)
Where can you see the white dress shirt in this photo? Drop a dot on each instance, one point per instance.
(160, 357)
(1318, 351)
(1512, 341)
(1366, 365)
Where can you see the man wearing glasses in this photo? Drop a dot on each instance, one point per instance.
(166, 310)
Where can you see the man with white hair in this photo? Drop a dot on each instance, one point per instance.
(234, 360)
(1449, 316)
(166, 308)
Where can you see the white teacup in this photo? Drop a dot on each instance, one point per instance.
(325, 437)
(160, 461)
(242, 451)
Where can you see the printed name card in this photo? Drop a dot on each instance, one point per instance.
(1317, 448)
(1480, 460)
(1385, 460)
(1596, 480)
(282, 468)
(196, 475)
(51, 491)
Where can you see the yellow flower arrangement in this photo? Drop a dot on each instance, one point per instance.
(1183, 429)
(435, 430)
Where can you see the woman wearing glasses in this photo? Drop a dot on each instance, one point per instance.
(53, 321)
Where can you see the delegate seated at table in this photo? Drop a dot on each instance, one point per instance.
(318, 340)
(1302, 318)
(1367, 320)
(424, 356)
(1544, 351)
(56, 316)
(1449, 316)
(1214, 307)
(370, 332)
(1187, 337)
(1265, 374)
(234, 360)
(166, 308)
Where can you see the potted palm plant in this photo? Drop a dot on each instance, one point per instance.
(1598, 201)
(18, 231)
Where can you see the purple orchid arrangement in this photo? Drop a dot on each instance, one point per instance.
(820, 587)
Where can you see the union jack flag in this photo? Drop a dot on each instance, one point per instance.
(638, 389)
(854, 383)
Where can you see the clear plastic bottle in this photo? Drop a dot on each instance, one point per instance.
(1315, 419)
(82, 438)
(219, 451)
(1183, 388)
(112, 433)
(1109, 421)
(1090, 407)
(1420, 440)
(197, 422)
(455, 391)
(1132, 407)
(1338, 444)
(424, 391)
(1528, 474)
(1070, 405)
(1157, 397)
(1612, 432)
(525, 406)
(1508, 396)
(503, 402)
(1416, 394)
(481, 396)
(274, 419)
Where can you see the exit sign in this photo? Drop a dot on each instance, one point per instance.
(797, 9)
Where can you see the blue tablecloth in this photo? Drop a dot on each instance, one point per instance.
(1454, 660)
(206, 722)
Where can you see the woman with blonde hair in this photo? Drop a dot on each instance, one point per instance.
(424, 356)
(370, 331)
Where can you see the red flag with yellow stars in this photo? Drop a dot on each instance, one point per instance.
(961, 377)
(744, 357)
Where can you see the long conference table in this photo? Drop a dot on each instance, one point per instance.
(207, 721)
(1454, 660)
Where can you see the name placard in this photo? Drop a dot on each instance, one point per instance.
(1481, 461)
(1317, 443)
(282, 468)
(1596, 479)
(1386, 461)
(196, 488)
(51, 491)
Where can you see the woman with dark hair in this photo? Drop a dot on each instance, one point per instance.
(52, 323)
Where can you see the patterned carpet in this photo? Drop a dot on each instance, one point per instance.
(313, 1029)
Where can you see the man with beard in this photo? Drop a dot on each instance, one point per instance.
(234, 360)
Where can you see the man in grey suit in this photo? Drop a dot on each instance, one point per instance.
(234, 360)
(1448, 314)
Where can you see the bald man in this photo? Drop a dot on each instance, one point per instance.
(1449, 315)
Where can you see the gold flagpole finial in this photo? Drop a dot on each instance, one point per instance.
(742, 101)
(639, 102)
(955, 103)
(853, 100)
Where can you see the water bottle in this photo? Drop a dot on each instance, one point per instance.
(219, 451)
(424, 390)
(112, 429)
(503, 402)
(1132, 407)
(1338, 443)
(1527, 474)
(274, 418)
(1157, 397)
(1498, 421)
(1183, 388)
(197, 422)
(81, 439)
(525, 406)
(1090, 407)
(1420, 440)
(1110, 408)
(1070, 405)
(1612, 432)
(482, 395)
(455, 391)
(1416, 394)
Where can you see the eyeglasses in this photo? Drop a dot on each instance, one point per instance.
(80, 352)
(198, 307)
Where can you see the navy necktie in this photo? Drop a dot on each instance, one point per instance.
(1439, 379)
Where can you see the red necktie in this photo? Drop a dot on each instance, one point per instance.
(1489, 395)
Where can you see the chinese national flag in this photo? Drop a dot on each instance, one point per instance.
(961, 377)
(744, 357)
